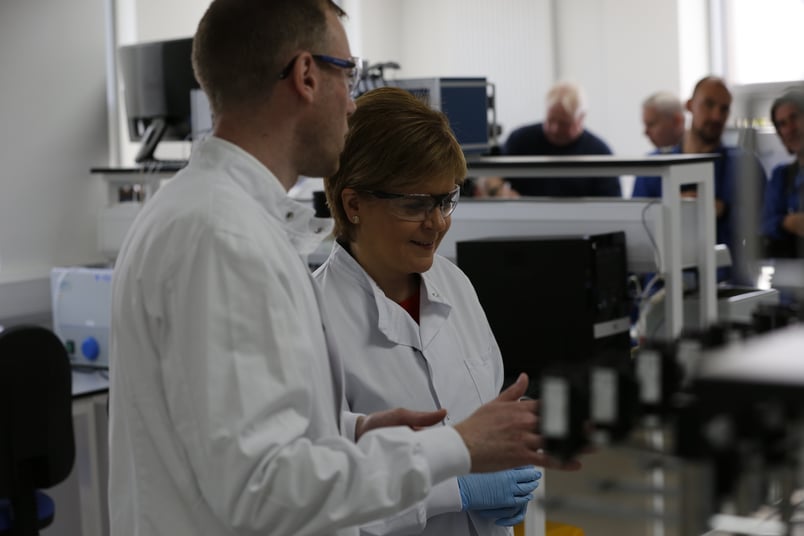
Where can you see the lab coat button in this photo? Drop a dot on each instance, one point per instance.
(289, 216)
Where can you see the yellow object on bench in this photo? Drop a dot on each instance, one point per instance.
(552, 529)
(562, 529)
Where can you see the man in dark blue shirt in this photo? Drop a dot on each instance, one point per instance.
(561, 134)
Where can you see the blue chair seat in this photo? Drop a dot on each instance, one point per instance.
(37, 447)
(45, 510)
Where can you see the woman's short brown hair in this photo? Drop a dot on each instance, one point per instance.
(395, 141)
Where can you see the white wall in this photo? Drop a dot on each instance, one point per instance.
(509, 42)
(54, 129)
(693, 42)
(619, 51)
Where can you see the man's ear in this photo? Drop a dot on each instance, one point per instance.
(688, 106)
(304, 75)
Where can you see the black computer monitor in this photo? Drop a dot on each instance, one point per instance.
(157, 77)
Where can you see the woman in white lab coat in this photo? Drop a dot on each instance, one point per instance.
(407, 322)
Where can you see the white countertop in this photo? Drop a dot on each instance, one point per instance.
(86, 382)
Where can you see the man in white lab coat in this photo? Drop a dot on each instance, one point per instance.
(226, 398)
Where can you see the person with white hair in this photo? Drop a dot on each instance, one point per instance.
(562, 133)
(663, 117)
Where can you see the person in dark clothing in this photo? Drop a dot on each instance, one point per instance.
(783, 209)
(562, 133)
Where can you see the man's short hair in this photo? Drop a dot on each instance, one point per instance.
(664, 102)
(709, 78)
(792, 96)
(241, 46)
(569, 96)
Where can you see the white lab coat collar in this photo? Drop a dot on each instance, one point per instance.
(434, 309)
(304, 230)
(393, 321)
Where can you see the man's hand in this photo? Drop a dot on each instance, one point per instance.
(398, 417)
(494, 187)
(503, 433)
(794, 223)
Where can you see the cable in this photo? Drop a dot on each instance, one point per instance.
(643, 307)
(645, 303)
(656, 252)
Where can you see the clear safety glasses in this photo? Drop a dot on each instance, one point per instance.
(417, 207)
(352, 65)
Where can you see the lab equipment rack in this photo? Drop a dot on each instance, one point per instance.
(674, 171)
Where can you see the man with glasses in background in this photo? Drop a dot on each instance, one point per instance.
(227, 411)
(783, 211)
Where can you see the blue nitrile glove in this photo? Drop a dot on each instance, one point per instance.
(502, 490)
(508, 517)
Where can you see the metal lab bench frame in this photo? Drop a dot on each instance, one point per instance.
(674, 171)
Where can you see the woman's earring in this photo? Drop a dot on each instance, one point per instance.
(355, 219)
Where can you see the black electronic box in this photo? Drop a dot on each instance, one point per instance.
(552, 300)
